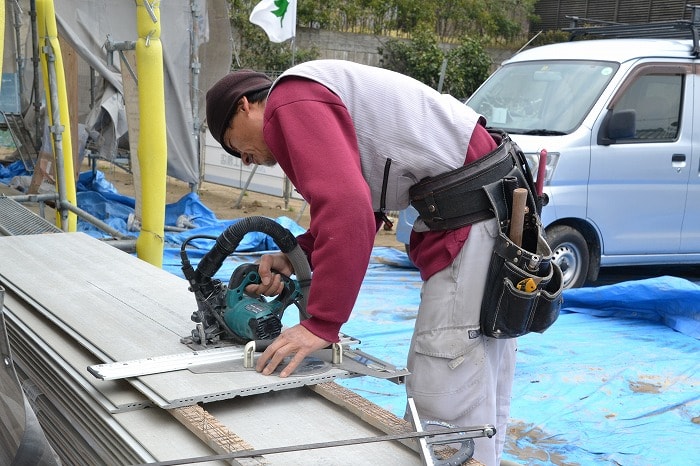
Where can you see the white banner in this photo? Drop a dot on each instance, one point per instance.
(278, 18)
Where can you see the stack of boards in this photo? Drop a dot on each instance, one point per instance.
(72, 301)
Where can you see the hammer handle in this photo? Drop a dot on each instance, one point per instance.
(517, 217)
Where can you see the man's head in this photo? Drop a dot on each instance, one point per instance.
(224, 99)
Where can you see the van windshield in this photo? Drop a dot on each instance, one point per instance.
(542, 97)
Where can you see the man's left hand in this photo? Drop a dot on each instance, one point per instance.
(296, 341)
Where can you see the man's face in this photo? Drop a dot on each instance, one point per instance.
(244, 134)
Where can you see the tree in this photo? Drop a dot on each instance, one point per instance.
(421, 57)
(494, 20)
(468, 65)
(428, 24)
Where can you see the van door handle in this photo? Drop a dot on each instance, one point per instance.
(678, 161)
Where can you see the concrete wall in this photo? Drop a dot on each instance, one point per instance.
(359, 48)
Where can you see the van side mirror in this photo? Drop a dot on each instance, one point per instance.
(618, 125)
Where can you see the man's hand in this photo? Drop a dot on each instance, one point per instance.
(271, 283)
(297, 341)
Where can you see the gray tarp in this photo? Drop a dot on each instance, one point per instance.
(88, 24)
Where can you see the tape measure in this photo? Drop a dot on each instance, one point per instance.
(528, 285)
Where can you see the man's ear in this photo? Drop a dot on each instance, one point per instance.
(244, 104)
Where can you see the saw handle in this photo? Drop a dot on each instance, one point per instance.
(247, 274)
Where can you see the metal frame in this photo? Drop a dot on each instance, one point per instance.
(659, 29)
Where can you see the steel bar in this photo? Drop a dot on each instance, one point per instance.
(465, 433)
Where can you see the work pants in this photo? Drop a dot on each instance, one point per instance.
(458, 376)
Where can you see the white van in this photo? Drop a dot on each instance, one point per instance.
(620, 121)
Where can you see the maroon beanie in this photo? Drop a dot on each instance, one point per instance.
(225, 94)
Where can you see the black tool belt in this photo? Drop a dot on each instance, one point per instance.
(457, 198)
(524, 286)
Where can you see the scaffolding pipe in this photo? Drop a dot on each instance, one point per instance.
(94, 220)
(48, 197)
(195, 67)
(55, 85)
(38, 122)
(84, 215)
(2, 34)
(152, 145)
(19, 58)
(88, 217)
(126, 245)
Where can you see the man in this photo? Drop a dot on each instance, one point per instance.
(353, 139)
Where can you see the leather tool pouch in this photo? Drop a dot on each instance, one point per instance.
(523, 290)
(524, 287)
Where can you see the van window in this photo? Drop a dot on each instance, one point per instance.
(542, 97)
(656, 102)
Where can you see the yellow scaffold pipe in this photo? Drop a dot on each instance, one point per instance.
(57, 110)
(152, 145)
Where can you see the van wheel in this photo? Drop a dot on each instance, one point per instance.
(570, 252)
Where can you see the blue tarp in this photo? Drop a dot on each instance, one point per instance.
(668, 300)
(7, 172)
(616, 380)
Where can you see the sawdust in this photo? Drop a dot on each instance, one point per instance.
(223, 200)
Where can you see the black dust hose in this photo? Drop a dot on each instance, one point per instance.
(229, 240)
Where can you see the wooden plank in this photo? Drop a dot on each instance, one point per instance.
(376, 416)
(216, 435)
(44, 170)
(302, 417)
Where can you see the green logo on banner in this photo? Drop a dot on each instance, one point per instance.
(281, 10)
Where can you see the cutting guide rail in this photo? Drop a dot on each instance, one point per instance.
(166, 363)
(224, 359)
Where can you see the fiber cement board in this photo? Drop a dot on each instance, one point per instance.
(121, 308)
(267, 421)
(69, 357)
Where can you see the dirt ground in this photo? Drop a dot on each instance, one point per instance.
(223, 199)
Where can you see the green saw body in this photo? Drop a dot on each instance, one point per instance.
(252, 318)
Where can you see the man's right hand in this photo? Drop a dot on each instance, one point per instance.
(269, 268)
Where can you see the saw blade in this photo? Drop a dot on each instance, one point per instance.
(309, 366)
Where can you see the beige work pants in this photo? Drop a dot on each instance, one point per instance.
(459, 376)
